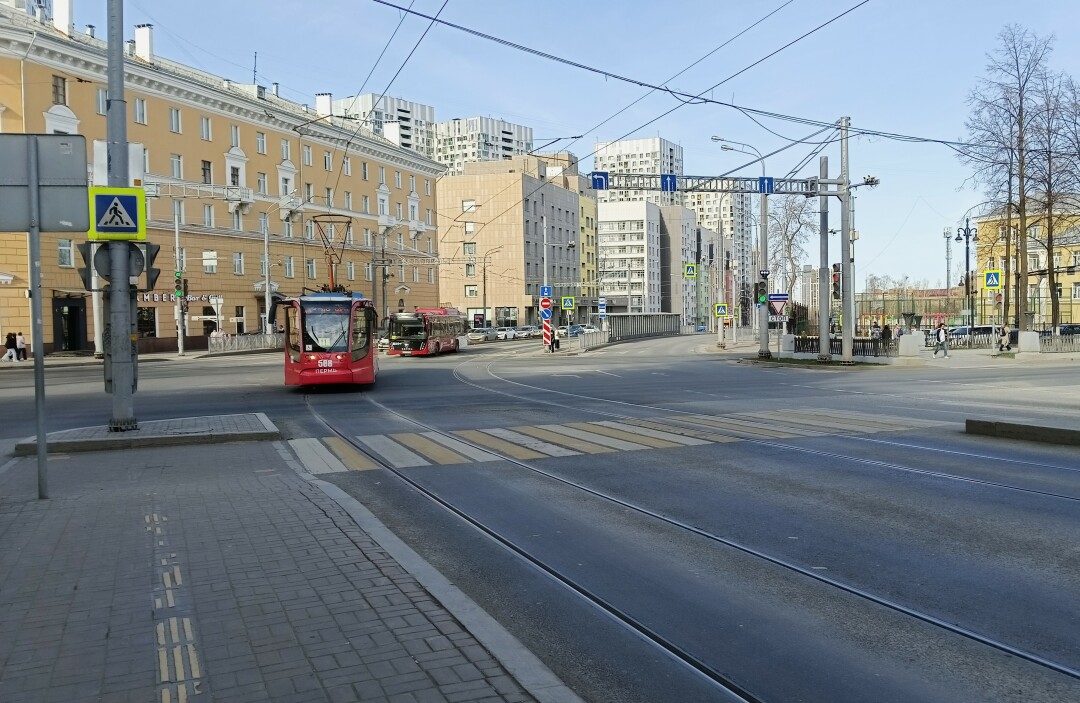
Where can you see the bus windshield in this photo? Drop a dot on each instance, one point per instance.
(326, 327)
(409, 328)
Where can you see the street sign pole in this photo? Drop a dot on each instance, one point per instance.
(121, 342)
(763, 247)
(37, 328)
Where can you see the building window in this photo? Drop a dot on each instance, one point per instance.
(412, 184)
(1076, 258)
(289, 273)
(414, 212)
(140, 110)
(309, 193)
(59, 90)
(329, 197)
(368, 272)
(431, 275)
(1076, 291)
(469, 248)
(238, 263)
(415, 275)
(177, 163)
(260, 142)
(401, 240)
(427, 216)
(309, 229)
(470, 270)
(384, 206)
(470, 292)
(348, 200)
(368, 240)
(397, 179)
(285, 150)
(207, 172)
(363, 170)
(204, 128)
(311, 272)
(346, 165)
(174, 120)
(468, 206)
(264, 223)
(470, 227)
(307, 155)
(102, 101)
(286, 228)
(237, 220)
(350, 271)
(209, 261)
(327, 161)
(260, 183)
(367, 205)
(208, 215)
(398, 211)
(178, 211)
(64, 253)
(427, 187)
(234, 135)
(234, 175)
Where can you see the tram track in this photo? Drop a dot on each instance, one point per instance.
(612, 609)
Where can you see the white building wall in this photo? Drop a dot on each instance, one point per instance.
(462, 140)
(732, 214)
(628, 253)
(681, 225)
(406, 123)
(652, 155)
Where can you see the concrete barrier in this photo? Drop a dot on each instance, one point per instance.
(1030, 433)
(1028, 342)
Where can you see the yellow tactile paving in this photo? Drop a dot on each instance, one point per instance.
(556, 438)
(654, 442)
(499, 445)
(431, 450)
(354, 460)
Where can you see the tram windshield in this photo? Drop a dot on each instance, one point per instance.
(326, 327)
(407, 328)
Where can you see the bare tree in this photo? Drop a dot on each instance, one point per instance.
(1000, 123)
(792, 220)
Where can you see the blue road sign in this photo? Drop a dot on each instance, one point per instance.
(669, 183)
(546, 314)
(992, 279)
(690, 271)
(765, 185)
(778, 296)
(601, 307)
(599, 180)
(117, 213)
(720, 309)
(545, 291)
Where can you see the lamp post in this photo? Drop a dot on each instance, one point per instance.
(969, 234)
(948, 269)
(763, 242)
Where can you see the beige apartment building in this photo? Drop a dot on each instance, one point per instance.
(502, 224)
(230, 170)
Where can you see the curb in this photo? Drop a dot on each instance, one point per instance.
(1030, 433)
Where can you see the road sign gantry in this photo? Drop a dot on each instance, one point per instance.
(809, 187)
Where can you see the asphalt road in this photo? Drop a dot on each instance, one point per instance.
(820, 534)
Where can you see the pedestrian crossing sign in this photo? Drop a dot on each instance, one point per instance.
(117, 213)
(568, 302)
(720, 309)
(690, 271)
(992, 280)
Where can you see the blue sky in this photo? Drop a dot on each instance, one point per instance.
(904, 67)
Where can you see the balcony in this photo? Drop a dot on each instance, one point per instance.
(239, 197)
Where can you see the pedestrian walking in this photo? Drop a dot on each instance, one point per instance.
(1005, 341)
(9, 348)
(20, 347)
(942, 338)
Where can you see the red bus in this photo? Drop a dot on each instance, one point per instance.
(330, 338)
(425, 331)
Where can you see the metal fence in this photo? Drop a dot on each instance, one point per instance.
(240, 343)
(624, 326)
(1060, 344)
(861, 346)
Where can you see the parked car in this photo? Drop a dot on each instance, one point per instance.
(589, 329)
(383, 342)
(529, 331)
(505, 332)
(482, 334)
(1069, 329)
(560, 331)
(575, 331)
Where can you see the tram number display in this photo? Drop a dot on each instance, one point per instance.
(325, 366)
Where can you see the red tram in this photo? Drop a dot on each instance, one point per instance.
(330, 338)
(425, 331)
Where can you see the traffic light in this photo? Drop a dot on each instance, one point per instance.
(761, 293)
(151, 272)
(86, 271)
(836, 281)
(179, 285)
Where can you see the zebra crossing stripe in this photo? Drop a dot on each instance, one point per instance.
(531, 442)
(877, 421)
(499, 445)
(462, 448)
(826, 424)
(352, 459)
(593, 437)
(669, 436)
(743, 429)
(315, 457)
(395, 454)
(664, 426)
(559, 438)
(432, 450)
(636, 438)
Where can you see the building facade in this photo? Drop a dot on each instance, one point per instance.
(410, 125)
(507, 228)
(652, 155)
(232, 171)
(628, 252)
(465, 140)
(679, 246)
(731, 214)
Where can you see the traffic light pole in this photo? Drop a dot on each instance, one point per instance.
(120, 339)
(178, 288)
(763, 308)
(824, 343)
(847, 286)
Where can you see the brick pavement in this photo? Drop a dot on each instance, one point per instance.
(166, 574)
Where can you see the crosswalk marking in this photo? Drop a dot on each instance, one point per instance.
(891, 423)
(433, 451)
(499, 445)
(687, 431)
(316, 457)
(557, 438)
(639, 430)
(746, 429)
(576, 432)
(653, 442)
(393, 452)
(531, 442)
(352, 459)
(462, 448)
(831, 425)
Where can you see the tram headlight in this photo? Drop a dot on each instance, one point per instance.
(339, 357)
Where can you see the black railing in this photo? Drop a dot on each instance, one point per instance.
(862, 346)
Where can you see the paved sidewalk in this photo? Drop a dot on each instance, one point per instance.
(165, 573)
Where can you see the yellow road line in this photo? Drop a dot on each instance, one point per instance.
(196, 672)
(163, 664)
(556, 438)
(181, 693)
(499, 445)
(178, 661)
(431, 450)
(654, 442)
(161, 634)
(187, 630)
(352, 459)
(174, 630)
(166, 578)
(166, 697)
(176, 576)
(169, 598)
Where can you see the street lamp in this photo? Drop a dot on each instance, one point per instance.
(763, 243)
(948, 268)
(968, 234)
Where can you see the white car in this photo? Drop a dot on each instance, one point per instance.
(506, 332)
(589, 329)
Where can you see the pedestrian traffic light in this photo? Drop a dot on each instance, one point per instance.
(761, 293)
(86, 271)
(152, 273)
(836, 281)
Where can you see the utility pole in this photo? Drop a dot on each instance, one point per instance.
(824, 306)
(847, 289)
(121, 341)
(722, 283)
(763, 246)
(948, 270)
(178, 310)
